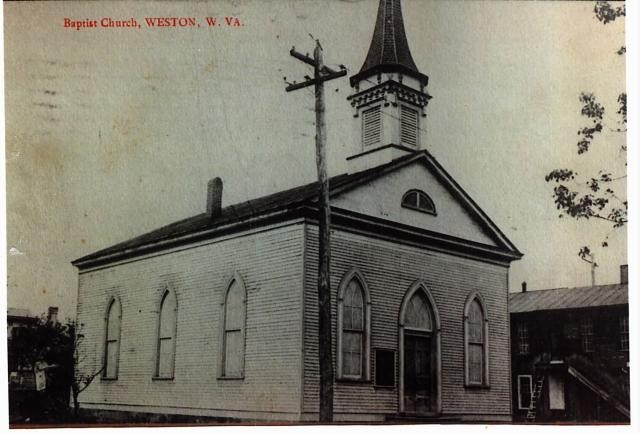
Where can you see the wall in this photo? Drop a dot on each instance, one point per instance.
(270, 262)
(390, 269)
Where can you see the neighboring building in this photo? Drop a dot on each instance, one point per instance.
(216, 315)
(17, 319)
(570, 354)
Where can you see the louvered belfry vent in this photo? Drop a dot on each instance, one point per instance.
(371, 126)
(390, 95)
(409, 126)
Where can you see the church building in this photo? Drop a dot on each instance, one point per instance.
(217, 315)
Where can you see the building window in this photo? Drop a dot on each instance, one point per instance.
(233, 338)
(525, 391)
(371, 126)
(353, 337)
(476, 351)
(586, 334)
(624, 333)
(523, 338)
(166, 345)
(418, 200)
(385, 368)
(409, 126)
(112, 340)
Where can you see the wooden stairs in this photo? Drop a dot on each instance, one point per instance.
(541, 373)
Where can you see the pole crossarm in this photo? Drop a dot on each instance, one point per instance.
(313, 81)
(309, 61)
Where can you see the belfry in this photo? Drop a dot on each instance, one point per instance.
(389, 94)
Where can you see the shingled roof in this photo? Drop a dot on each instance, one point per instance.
(286, 199)
(569, 298)
(389, 49)
(293, 199)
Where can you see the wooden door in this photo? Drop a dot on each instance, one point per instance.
(418, 374)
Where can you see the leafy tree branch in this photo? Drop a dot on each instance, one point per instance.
(596, 196)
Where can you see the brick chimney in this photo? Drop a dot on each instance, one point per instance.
(624, 273)
(52, 314)
(524, 286)
(214, 197)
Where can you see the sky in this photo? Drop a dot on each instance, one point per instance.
(111, 133)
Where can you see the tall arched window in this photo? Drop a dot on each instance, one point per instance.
(353, 334)
(166, 346)
(420, 363)
(112, 340)
(476, 330)
(233, 338)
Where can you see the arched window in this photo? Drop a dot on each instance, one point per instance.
(476, 330)
(418, 200)
(420, 362)
(234, 308)
(166, 346)
(112, 340)
(417, 315)
(353, 323)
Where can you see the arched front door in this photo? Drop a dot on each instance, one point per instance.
(419, 351)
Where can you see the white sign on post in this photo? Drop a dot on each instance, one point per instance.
(41, 378)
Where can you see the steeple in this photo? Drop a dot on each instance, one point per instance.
(389, 94)
(389, 49)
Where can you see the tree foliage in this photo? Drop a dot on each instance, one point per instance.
(594, 196)
(606, 13)
(43, 343)
(55, 344)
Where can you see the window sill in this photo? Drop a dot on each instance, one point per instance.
(225, 378)
(155, 378)
(477, 386)
(108, 378)
(348, 380)
(424, 211)
(384, 387)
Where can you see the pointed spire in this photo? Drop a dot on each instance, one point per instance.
(389, 49)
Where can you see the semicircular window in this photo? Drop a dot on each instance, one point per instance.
(419, 201)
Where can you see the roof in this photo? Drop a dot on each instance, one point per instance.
(18, 312)
(569, 298)
(389, 49)
(290, 198)
(296, 198)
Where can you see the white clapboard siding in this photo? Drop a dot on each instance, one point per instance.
(270, 264)
(390, 269)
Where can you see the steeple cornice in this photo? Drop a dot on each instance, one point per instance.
(403, 93)
(389, 49)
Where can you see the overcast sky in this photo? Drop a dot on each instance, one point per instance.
(115, 132)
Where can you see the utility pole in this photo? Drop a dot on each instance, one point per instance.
(322, 73)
